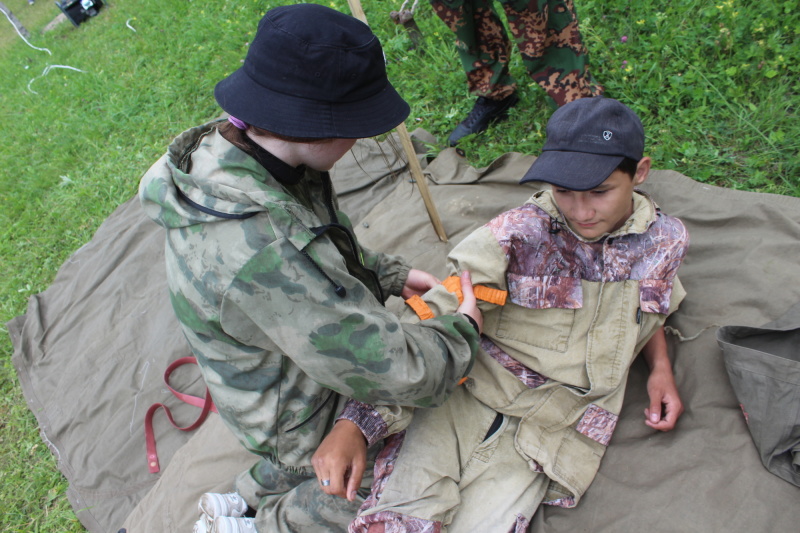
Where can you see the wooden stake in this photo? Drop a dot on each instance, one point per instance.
(408, 147)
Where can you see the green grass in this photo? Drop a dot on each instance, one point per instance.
(716, 85)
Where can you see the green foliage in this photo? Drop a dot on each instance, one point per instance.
(715, 84)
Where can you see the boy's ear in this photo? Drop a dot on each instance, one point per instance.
(642, 170)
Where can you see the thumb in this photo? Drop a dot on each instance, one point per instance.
(653, 412)
(466, 288)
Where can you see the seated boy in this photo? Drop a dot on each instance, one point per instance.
(575, 283)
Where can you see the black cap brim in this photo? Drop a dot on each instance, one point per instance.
(576, 171)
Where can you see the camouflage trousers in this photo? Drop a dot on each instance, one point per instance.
(290, 500)
(546, 33)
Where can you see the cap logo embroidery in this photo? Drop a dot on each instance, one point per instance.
(607, 135)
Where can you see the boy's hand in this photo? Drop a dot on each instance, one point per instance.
(665, 403)
(418, 283)
(340, 460)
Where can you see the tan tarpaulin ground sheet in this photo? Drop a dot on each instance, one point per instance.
(91, 350)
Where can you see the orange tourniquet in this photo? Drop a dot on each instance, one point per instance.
(453, 284)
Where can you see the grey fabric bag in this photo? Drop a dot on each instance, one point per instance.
(764, 368)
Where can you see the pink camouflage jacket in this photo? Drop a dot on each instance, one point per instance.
(556, 352)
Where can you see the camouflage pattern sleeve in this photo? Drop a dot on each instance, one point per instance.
(347, 342)
(392, 270)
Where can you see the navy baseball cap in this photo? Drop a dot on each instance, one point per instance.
(586, 140)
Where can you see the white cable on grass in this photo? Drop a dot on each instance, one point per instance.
(48, 67)
(128, 24)
(47, 70)
(413, 7)
(23, 37)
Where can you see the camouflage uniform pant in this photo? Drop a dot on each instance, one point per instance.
(546, 33)
(290, 500)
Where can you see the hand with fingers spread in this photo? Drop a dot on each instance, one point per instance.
(340, 460)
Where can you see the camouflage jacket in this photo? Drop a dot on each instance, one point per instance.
(281, 306)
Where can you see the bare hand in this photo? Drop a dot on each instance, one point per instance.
(665, 403)
(469, 305)
(341, 459)
(418, 283)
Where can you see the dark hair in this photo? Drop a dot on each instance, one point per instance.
(628, 166)
(239, 138)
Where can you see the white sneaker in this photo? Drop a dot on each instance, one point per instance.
(214, 505)
(201, 526)
(229, 524)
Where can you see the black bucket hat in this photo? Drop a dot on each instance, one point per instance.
(313, 72)
(586, 140)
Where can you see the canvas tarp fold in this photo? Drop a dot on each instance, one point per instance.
(763, 365)
(91, 350)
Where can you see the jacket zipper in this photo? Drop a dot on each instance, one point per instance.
(328, 192)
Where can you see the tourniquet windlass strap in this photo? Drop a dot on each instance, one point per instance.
(419, 306)
(453, 285)
(206, 404)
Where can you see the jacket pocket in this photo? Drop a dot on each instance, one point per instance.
(544, 328)
(577, 462)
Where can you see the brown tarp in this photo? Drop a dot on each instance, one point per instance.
(91, 350)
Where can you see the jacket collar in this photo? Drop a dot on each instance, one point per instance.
(281, 171)
(643, 216)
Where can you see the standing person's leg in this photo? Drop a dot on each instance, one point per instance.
(552, 48)
(482, 43)
(484, 49)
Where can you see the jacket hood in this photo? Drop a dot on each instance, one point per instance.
(205, 178)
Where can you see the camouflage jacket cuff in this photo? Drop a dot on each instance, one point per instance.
(400, 279)
(368, 420)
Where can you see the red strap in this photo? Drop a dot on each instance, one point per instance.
(206, 404)
(187, 398)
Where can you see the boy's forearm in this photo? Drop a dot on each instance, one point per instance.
(665, 402)
(655, 352)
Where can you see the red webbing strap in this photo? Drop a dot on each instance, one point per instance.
(206, 404)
